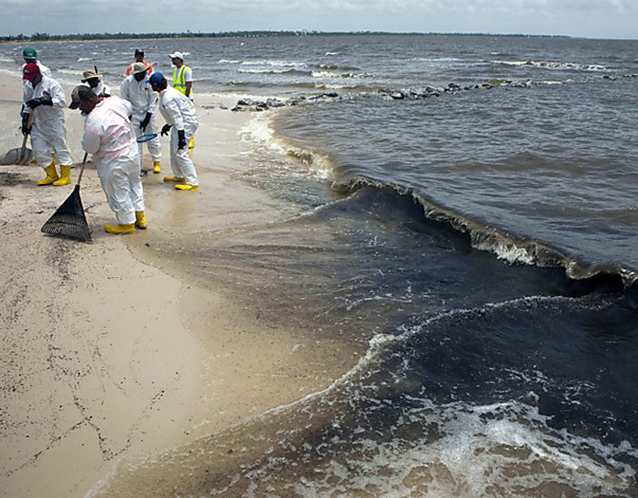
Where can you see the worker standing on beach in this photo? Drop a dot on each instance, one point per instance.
(94, 80)
(139, 58)
(109, 136)
(136, 90)
(179, 113)
(31, 56)
(183, 81)
(44, 99)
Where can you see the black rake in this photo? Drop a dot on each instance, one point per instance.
(69, 220)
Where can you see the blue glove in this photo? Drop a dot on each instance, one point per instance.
(165, 129)
(46, 100)
(181, 139)
(26, 129)
(34, 103)
(145, 122)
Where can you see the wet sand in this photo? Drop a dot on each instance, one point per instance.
(113, 351)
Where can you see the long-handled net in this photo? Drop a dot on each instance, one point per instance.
(69, 220)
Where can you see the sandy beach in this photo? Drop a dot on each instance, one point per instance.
(113, 351)
(410, 271)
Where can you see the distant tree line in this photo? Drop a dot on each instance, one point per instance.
(135, 36)
(190, 34)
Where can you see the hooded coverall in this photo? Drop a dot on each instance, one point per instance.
(48, 132)
(143, 99)
(109, 136)
(179, 112)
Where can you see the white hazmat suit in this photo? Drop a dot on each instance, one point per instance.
(48, 131)
(43, 69)
(109, 136)
(179, 112)
(102, 90)
(143, 99)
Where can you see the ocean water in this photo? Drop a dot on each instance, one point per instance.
(464, 212)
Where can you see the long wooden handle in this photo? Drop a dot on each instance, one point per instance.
(86, 155)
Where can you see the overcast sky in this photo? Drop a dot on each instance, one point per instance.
(583, 18)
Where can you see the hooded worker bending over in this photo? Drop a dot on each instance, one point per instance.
(179, 113)
(44, 99)
(109, 136)
(139, 93)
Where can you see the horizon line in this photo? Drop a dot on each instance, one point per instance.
(43, 36)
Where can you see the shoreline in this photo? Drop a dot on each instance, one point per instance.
(111, 351)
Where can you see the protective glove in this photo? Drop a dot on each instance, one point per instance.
(26, 129)
(181, 139)
(34, 103)
(165, 129)
(46, 99)
(146, 121)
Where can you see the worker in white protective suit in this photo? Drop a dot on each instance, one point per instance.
(94, 80)
(45, 101)
(109, 136)
(179, 113)
(139, 93)
(30, 55)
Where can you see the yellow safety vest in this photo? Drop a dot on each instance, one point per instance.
(179, 80)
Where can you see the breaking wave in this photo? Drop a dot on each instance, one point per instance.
(513, 248)
(553, 65)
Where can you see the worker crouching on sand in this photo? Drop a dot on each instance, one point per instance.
(109, 136)
(44, 99)
(179, 113)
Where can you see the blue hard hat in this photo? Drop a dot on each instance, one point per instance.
(157, 78)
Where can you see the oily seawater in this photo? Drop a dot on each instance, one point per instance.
(474, 245)
(393, 427)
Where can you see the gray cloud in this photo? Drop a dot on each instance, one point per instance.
(589, 18)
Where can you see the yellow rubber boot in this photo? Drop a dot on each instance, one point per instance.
(186, 186)
(65, 176)
(140, 219)
(175, 179)
(156, 167)
(120, 229)
(192, 144)
(52, 175)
